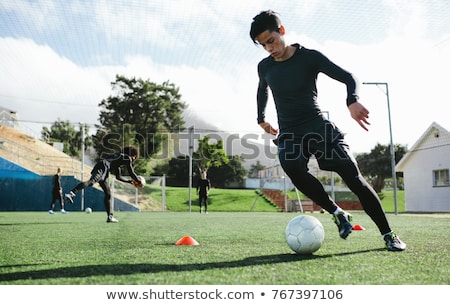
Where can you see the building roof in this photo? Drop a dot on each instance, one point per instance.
(435, 131)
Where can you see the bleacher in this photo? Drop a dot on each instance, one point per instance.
(292, 205)
(27, 166)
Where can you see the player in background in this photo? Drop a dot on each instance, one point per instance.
(100, 174)
(291, 71)
(57, 193)
(203, 187)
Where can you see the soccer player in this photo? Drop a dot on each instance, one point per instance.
(57, 193)
(203, 186)
(100, 174)
(290, 71)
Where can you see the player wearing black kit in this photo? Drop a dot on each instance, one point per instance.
(100, 174)
(291, 72)
(203, 186)
(57, 193)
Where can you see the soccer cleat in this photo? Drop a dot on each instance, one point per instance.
(64, 211)
(393, 243)
(342, 220)
(111, 219)
(51, 212)
(69, 197)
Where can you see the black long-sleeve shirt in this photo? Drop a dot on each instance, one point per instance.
(56, 184)
(293, 86)
(116, 161)
(203, 186)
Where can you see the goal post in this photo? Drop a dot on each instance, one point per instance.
(152, 197)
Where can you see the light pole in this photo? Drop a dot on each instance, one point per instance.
(82, 164)
(394, 178)
(191, 150)
(331, 173)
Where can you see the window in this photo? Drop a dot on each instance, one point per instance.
(441, 177)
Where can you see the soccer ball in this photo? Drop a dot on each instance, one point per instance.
(304, 234)
(142, 180)
(88, 210)
(142, 184)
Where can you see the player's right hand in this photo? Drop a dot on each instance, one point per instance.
(268, 128)
(136, 184)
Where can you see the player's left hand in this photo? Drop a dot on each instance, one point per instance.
(360, 114)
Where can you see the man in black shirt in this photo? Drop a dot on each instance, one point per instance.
(203, 186)
(57, 193)
(100, 174)
(291, 73)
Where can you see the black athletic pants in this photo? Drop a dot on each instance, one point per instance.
(332, 154)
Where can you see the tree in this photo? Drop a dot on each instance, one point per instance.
(209, 154)
(65, 132)
(138, 113)
(254, 169)
(376, 165)
(228, 173)
(176, 170)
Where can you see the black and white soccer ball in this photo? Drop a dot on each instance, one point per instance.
(304, 234)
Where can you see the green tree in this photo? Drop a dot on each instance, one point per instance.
(65, 132)
(176, 170)
(228, 173)
(254, 169)
(209, 154)
(138, 113)
(376, 165)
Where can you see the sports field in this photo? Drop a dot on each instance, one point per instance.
(235, 248)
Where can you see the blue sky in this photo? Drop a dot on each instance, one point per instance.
(58, 58)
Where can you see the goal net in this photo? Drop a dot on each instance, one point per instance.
(152, 197)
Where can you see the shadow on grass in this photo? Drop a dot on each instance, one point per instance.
(126, 269)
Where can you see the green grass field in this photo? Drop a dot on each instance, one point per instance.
(243, 200)
(235, 248)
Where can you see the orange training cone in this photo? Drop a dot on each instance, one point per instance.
(186, 241)
(357, 227)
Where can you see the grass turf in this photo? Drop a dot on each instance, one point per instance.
(235, 248)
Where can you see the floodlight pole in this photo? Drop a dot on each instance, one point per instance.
(191, 148)
(82, 164)
(333, 196)
(285, 194)
(394, 178)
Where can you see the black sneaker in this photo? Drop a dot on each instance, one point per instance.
(342, 220)
(69, 197)
(393, 243)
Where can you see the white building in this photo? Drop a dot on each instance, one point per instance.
(425, 170)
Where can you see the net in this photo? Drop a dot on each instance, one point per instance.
(152, 197)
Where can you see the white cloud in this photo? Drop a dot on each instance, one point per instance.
(203, 47)
(42, 86)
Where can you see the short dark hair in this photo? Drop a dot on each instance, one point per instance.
(131, 151)
(264, 21)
